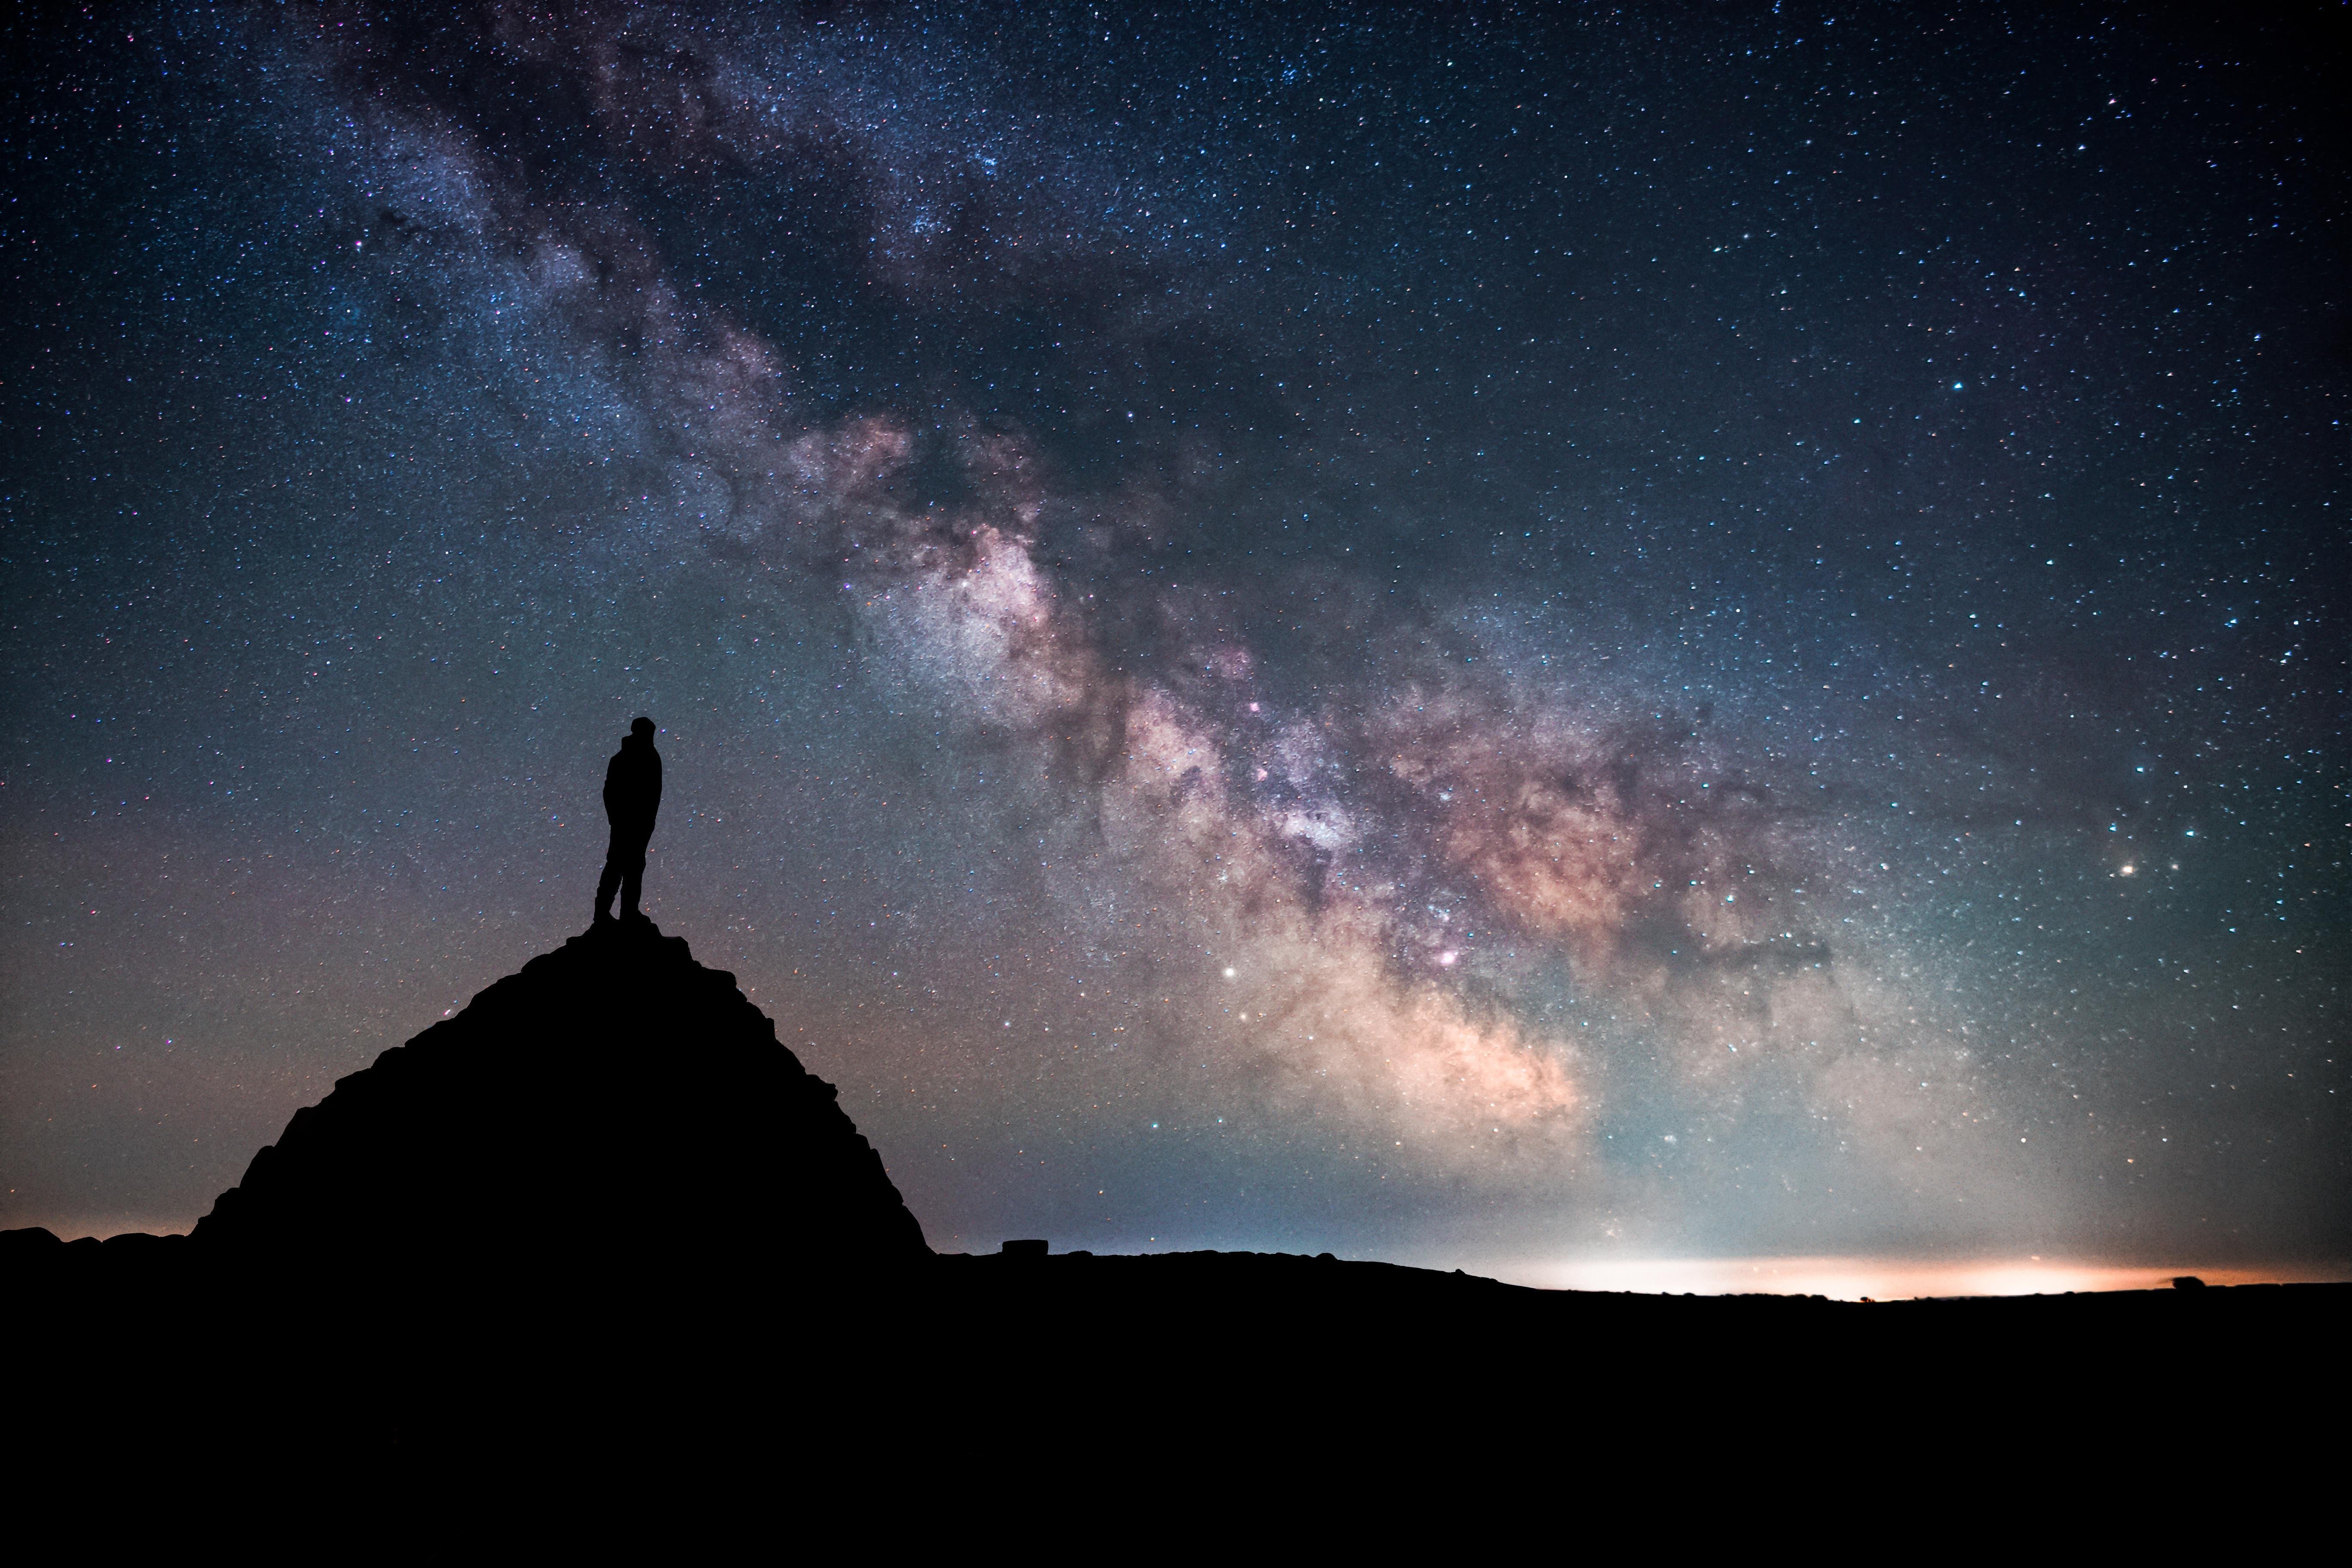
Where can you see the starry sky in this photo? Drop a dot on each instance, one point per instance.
(1502, 634)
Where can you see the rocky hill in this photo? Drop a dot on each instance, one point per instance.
(615, 1097)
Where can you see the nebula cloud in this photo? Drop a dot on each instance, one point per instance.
(1333, 644)
(1408, 854)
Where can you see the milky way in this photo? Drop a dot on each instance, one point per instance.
(1501, 638)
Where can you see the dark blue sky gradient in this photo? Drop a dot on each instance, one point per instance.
(1503, 635)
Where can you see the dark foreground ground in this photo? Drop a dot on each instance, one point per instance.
(1143, 1378)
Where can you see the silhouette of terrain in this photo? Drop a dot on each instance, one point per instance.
(601, 1231)
(613, 1088)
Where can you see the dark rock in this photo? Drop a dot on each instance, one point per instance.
(2188, 1282)
(140, 1247)
(29, 1246)
(613, 1104)
(1024, 1249)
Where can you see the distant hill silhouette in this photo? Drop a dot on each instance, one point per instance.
(613, 1093)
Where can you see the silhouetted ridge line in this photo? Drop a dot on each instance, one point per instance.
(613, 1097)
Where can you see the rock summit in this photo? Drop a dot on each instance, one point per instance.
(614, 1105)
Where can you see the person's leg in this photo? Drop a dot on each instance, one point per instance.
(633, 876)
(615, 854)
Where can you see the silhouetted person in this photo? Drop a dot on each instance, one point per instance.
(631, 797)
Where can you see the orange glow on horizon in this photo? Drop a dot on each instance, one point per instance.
(1885, 1280)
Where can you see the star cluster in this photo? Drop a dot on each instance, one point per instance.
(1513, 633)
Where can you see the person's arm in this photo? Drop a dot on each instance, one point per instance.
(655, 809)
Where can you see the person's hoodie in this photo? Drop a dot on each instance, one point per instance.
(633, 784)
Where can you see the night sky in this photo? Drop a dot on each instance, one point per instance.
(1509, 637)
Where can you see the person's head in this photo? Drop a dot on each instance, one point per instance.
(643, 729)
